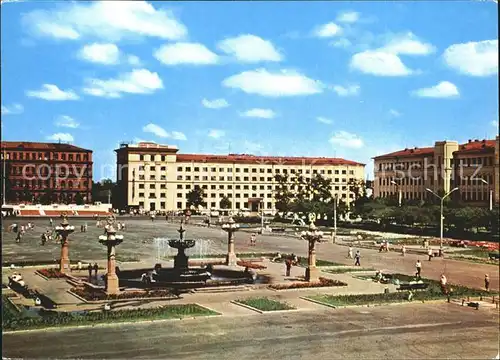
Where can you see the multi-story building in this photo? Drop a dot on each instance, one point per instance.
(472, 167)
(155, 177)
(57, 172)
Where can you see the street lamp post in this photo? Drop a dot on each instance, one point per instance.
(441, 223)
(111, 240)
(63, 230)
(491, 193)
(262, 217)
(400, 194)
(5, 157)
(230, 227)
(312, 235)
(335, 200)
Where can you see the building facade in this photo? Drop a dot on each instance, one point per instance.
(472, 167)
(155, 177)
(45, 173)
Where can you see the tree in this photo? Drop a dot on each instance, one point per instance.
(195, 197)
(282, 195)
(225, 203)
(79, 199)
(357, 187)
(102, 189)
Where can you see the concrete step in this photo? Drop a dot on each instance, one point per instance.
(221, 289)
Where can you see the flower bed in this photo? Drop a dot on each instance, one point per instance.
(323, 282)
(206, 262)
(303, 261)
(91, 318)
(250, 265)
(266, 304)
(51, 273)
(97, 295)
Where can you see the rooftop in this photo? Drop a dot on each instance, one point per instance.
(473, 146)
(253, 159)
(416, 151)
(26, 145)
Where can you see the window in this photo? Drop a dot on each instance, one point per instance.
(351, 172)
(344, 172)
(212, 195)
(221, 169)
(213, 204)
(188, 177)
(237, 169)
(205, 187)
(196, 178)
(179, 168)
(179, 177)
(179, 205)
(254, 178)
(196, 169)
(162, 205)
(141, 177)
(179, 195)
(238, 195)
(179, 186)
(213, 178)
(141, 204)
(163, 186)
(245, 170)
(141, 158)
(152, 177)
(254, 170)
(152, 186)
(336, 172)
(205, 178)
(205, 169)
(245, 178)
(245, 187)
(214, 169)
(188, 169)
(163, 158)
(329, 172)
(229, 170)
(163, 168)
(221, 187)
(141, 194)
(221, 178)
(152, 168)
(213, 187)
(152, 195)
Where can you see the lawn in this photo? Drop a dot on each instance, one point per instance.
(433, 292)
(345, 269)
(14, 320)
(303, 262)
(266, 304)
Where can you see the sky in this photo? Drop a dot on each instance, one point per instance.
(333, 79)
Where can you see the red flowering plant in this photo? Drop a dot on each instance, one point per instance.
(51, 273)
(322, 282)
(251, 265)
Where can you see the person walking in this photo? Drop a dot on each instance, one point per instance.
(253, 240)
(403, 250)
(96, 268)
(418, 266)
(487, 282)
(349, 253)
(19, 237)
(443, 282)
(429, 253)
(288, 264)
(89, 268)
(357, 259)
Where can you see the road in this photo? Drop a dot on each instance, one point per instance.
(409, 332)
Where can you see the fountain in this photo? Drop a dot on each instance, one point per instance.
(181, 275)
(181, 259)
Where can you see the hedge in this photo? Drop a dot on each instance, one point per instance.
(266, 304)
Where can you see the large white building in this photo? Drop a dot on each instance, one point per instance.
(156, 178)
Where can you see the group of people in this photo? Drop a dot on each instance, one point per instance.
(356, 257)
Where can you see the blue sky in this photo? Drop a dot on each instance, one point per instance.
(345, 79)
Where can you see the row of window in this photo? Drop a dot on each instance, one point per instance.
(476, 180)
(42, 184)
(228, 187)
(486, 161)
(49, 171)
(464, 195)
(16, 155)
(152, 195)
(262, 170)
(238, 178)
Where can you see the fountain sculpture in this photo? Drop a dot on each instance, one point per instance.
(111, 240)
(181, 259)
(63, 231)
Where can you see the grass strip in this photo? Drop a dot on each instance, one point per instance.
(266, 304)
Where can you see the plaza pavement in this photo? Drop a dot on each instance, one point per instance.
(411, 332)
(139, 244)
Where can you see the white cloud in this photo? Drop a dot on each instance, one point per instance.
(348, 17)
(324, 120)
(51, 92)
(14, 109)
(444, 89)
(176, 135)
(394, 113)
(111, 20)
(379, 63)
(67, 121)
(473, 58)
(252, 147)
(215, 104)
(328, 30)
(274, 84)
(64, 137)
(250, 49)
(347, 140)
(161, 132)
(156, 130)
(349, 90)
(216, 134)
(494, 123)
(186, 53)
(134, 60)
(341, 43)
(259, 113)
(139, 81)
(407, 44)
(107, 54)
